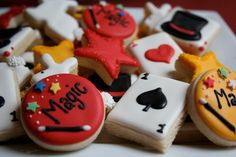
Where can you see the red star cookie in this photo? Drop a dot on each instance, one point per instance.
(107, 51)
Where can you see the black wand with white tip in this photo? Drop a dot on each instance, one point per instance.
(64, 129)
(217, 115)
(95, 22)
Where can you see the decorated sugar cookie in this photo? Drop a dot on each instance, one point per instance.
(9, 105)
(191, 66)
(192, 32)
(59, 53)
(18, 65)
(211, 105)
(157, 54)
(153, 14)
(63, 112)
(15, 41)
(106, 56)
(150, 112)
(110, 20)
(70, 65)
(12, 17)
(52, 17)
(118, 87)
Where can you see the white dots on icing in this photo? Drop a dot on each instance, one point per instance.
(37, 122)
(32, 97)
(58, 76)
(47, 80)
(42, 96)
(39, 112)
(56, 80)
(30, 116)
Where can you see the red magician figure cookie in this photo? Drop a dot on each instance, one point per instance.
(63, 112)
(109, 20)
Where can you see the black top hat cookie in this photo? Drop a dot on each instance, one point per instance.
(185, 25)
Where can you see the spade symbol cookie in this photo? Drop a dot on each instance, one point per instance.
(152, 99)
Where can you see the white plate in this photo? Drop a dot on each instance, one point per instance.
(224, 46)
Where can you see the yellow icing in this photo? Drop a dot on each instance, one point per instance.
(64, 50)
(78, 13)
(199, 64)
(229, 113)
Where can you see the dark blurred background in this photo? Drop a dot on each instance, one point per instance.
(226, 8)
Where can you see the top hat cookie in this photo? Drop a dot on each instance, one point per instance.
(192, 32)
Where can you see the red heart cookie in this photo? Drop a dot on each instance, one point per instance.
(163, 53)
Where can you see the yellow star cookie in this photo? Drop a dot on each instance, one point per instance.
(191, 66)
(61, 52)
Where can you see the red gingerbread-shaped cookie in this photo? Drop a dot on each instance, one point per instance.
(63, 112)
(110, 20)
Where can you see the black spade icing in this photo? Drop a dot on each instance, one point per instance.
(6, 34)
(2, 101)
(185, 21)
(152, 99)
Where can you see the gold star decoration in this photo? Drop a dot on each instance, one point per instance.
(55, 87)
(198, 64)
(59, 53)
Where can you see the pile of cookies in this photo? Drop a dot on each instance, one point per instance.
(68, 71)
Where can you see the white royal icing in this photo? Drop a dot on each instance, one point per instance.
(108, 101)
(9, 91)
(53, 68)
(21, 41)
(52, 15)
(151, 42)
(17, 64)
(129, 114)
(208, 33)
(155, 14)
(28, 57)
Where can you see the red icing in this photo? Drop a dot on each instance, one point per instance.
(182, 30)
(92, 114)
(209, 82)
(112, 22)
(108, 51)
(7, 54)
(201, 48)
(11, 13)
(163, 53)
(116, 93)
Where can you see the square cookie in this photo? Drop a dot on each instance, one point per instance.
(192, 32)
(10, 102)
(157, 54)
(150, 112)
